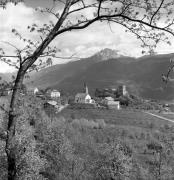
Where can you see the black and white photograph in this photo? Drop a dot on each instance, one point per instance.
(86, 89)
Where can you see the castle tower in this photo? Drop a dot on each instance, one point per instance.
(122, 90)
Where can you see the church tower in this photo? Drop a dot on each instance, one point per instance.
(86, 88)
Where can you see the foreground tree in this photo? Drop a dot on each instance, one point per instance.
(3, 3)
(147, 19)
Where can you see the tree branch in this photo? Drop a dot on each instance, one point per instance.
(86, 23)
(99, 6)
(61, 57)
(156, 11)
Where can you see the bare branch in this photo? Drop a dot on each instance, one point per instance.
(156, 11)
(62, 57)
(99, 6)
(5, 42)
(9, 62)
(50, 11)
(3, 109)
(82, 8)
(126, 8)
(86, 23)
(4, 56)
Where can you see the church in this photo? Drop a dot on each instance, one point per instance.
(84, 98)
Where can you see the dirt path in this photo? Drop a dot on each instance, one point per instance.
(160, 117)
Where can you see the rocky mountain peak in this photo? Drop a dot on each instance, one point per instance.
(107, 53)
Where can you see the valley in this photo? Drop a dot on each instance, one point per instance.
(141, 75)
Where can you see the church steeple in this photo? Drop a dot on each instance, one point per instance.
(86, 88)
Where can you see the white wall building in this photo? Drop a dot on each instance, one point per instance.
(55, 94)
(84, 97)
(111, 104)
(36, 90)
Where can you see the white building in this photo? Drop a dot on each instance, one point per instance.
(52, 103)
(111, 104)
(55, 94)
(84, 97)
(36, 90)
(109, 99)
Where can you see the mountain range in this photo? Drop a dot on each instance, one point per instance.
(108, 69)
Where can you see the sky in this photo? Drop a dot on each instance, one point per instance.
(82, 43)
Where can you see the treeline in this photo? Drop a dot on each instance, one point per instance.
(83, 149)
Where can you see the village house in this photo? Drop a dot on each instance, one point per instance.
(6, 92)
(51, 107)
(35, 91)
(40, 94)
(53, 94)
(32, 91)
(113, 105)
(84, 97)
(51, 104)
(110, 103)
(107, 99)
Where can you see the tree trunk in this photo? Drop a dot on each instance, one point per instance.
(10, 141)
(27, 63)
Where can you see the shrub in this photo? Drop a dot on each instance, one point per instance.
(85, 123)
(115, 162)
(101, 123)
(150, 125)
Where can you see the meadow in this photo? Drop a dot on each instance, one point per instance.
(92, 144)
(123, 117)
(148, 137)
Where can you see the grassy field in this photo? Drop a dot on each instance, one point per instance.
(134, 128)
(169, 115)
(90, 133)
(120, 118)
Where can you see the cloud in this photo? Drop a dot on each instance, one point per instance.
(18, 17)
(84, 42)
(96, 37)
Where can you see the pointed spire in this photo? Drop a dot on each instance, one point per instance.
(86, 88)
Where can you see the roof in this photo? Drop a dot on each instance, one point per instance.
(31, 88)
(39, 93)
(113, 103)
(54, 90)
(109, 98)
(81, 95)
(53, 103)
(49, 91)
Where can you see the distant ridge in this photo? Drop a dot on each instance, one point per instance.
(108, 68)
